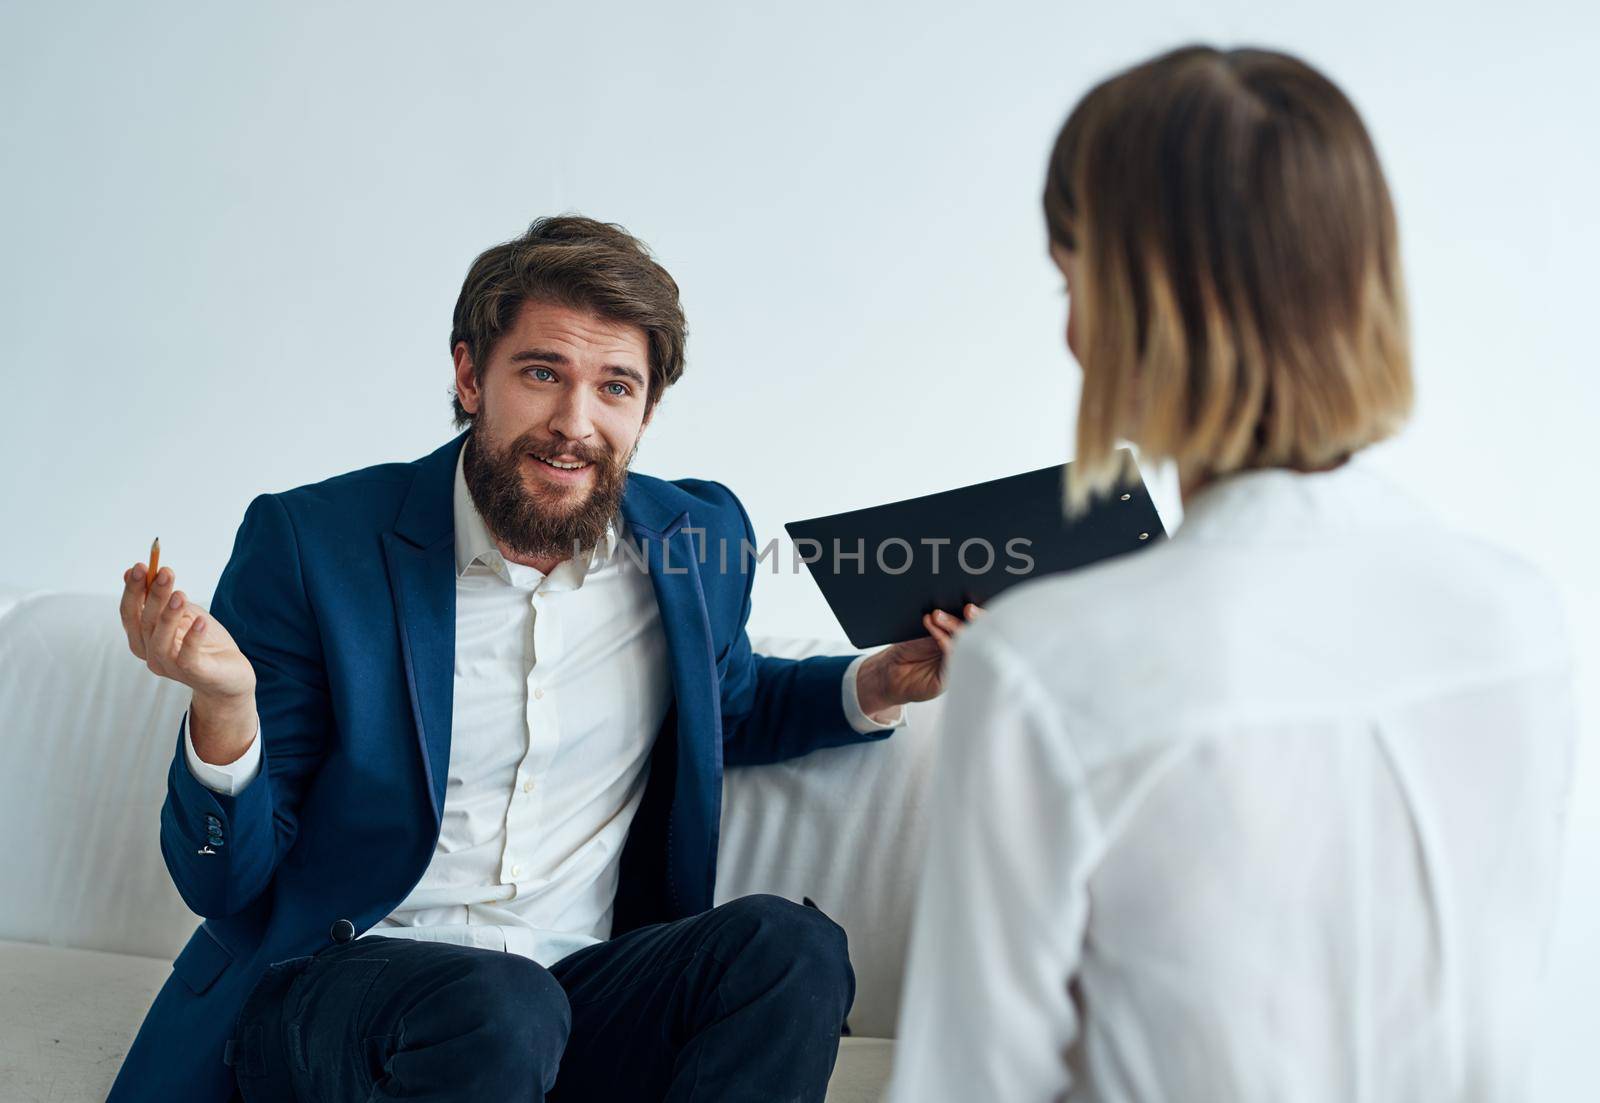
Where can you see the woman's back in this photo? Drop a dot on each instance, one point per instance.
(1281, 795)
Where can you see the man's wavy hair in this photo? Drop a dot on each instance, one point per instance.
(578, 262)
(1241, 302)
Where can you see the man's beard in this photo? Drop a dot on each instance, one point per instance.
(547, 523)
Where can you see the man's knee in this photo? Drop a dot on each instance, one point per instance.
(521, 1012)
(798, 941)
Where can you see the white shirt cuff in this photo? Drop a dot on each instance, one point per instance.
(229, 779)
(859, 720)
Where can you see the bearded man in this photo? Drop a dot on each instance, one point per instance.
(447, 793)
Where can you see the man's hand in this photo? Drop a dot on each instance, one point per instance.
(179, 640)
(913, 670)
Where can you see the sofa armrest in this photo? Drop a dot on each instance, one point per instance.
(846, 827)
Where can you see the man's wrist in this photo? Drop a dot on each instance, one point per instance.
(222, 728)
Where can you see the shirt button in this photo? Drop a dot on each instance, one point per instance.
(527, 786)
(538, 694)
(516, 871)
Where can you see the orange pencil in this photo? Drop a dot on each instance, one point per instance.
(155, 564)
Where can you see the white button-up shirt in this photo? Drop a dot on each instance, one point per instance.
(1269, 811)
(561, 685)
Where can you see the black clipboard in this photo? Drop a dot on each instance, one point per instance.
(883, 567)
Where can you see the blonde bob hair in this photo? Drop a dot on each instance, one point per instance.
(1240, 303)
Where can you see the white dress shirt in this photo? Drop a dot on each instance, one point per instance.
(561, 684)
(1268, 811)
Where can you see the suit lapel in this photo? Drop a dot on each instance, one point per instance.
(420, 554)
(671, 554)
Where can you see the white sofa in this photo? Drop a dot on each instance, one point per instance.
(90, 922)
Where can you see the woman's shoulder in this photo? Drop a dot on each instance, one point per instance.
(1274, 619)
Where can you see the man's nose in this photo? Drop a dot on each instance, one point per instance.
(571, 419)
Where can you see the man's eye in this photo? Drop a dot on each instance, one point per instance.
(544, 375)
(621, 389)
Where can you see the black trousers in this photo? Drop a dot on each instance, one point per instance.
(743, 1002)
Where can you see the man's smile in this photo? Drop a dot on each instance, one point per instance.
(562, 469)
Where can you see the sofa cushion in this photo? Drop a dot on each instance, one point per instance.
(67, 1018)
(90, 733)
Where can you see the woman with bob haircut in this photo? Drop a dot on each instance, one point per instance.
(1270, 810)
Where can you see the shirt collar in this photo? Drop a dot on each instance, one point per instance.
(473, 542)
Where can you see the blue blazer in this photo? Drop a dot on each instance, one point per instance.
(342, 594)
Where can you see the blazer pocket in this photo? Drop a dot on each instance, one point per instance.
(202, 961)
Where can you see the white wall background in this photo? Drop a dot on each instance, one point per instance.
(230, 240)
